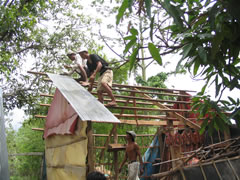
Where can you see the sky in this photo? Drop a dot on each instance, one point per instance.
(183, 82)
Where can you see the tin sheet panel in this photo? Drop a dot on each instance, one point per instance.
(83, 102)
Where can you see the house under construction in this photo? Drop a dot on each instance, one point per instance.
(175, 150)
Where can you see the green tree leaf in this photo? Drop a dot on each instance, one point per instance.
(196, 67)
(121, 10)
(148, 4)
(133, 57)
(155, 53)
(174, 12)
(202, 54)
(134, 31)
(151, 27)
(186, 49)
(130, 44)
(130, 3)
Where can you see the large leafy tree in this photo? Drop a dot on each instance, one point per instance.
(35, 35)
(206, 34)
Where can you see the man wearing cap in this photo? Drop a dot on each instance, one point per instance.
(131, 154)
(97, 64)
(79, 67)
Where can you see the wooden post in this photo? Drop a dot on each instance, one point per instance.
(115, 153)
(174, 150)
(160, 141)
(90, 147)
(135, 112)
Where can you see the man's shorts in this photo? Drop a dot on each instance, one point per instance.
(106, 77)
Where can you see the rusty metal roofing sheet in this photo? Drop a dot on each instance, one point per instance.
(83, 102)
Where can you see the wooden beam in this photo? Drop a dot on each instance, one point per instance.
(151, 109)
(90, 147)
(137, 102)
(37, 73)
(116, 147)
(48, 105)
(132, 97)
(122, 135)
(133, 122)
(108, 100)
(154, 93)
(131, 86)
(47, 95)
(40, 116)
(149, 123)
(38, 129)
(115, 153)
(146, 99)
(27, 154)
(151, 88)
(160, 117)
(177, 115)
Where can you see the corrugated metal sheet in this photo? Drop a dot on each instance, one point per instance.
(83, 102)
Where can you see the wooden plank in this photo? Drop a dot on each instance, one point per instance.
(140, 122)
(38, 129)
(108, 100)
(122, 135)
(146, 99)
(48, 105)
(47, 95)
(151, 88)
(37, 73)
(27, 154)
(137, 98)
(180, 117)
(151, 109)
(138, 87)
(116, 147)
(140, 116)
(137, 102)
(40, 116)
(149, 123)
(153, 93)
(135, 109)
(160, 117)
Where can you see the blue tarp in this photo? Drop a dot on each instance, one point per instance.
(150, 156)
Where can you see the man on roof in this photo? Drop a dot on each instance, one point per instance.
(79, 66)
(131, 154)
(96, 64)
